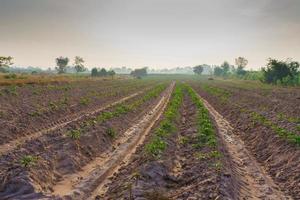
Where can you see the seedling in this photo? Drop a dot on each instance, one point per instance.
(28, 160)
(111, 132)
(74, 134)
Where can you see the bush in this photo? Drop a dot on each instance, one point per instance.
(281, 72)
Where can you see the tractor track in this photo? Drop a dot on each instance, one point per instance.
(252, 180)
(91, 181)
(5, 148)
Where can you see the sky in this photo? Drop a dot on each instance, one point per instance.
(153, 33)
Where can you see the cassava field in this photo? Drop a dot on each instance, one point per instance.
(160, 137)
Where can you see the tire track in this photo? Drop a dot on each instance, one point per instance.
(5, 148)
(253, 181)
(96, 174)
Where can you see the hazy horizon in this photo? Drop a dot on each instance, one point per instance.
(157, 33)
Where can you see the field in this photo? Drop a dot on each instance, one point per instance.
(160, 137)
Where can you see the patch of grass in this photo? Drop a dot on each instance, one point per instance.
(74, 134)
(28, 160)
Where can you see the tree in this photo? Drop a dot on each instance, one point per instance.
(61, 63)
(94, 72)
(139, 73)
(78, 64)
(218, 71)
(111, 73)
(225, 68)
(284, 72)
(5, 62)
(241, 64)
(198, 69)
(102, 72)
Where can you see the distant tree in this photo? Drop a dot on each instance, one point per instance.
(94, 72)
(111, 73)
(5, 62)
(225, 68)
(78, 64)
(198, 69)
(102, 72)
(241, 64)
(284, 72)
(61, 63)
(139, 73)
(218, 71)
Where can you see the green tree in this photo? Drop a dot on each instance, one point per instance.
(139, 73)
(61, 63)
(94, 72)
(284, 72)
(78, 64)
(198, 69)
(111, 73)
(225, 68)
(241, 64)
(5, 62)
(102, 72)
(218, 71)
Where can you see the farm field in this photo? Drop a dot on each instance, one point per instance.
(160, 137)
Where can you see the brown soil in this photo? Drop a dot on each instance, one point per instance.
(59, 155)
(35, 108)
(177, 174)
(278, 158)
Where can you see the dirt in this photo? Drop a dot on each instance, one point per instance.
(60, 156)
(34, 108)
(177, 174)
(277, 158)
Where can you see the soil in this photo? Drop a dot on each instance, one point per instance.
(59, 156)
(277, 158)
(177, 174)
(29, 109)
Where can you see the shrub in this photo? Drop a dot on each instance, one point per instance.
(281, 72)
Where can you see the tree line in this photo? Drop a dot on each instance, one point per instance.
(275, 72)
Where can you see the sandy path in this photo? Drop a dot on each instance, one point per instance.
(72, 118)
(254, 182)
(90, 182)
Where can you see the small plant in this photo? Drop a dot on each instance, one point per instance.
(183, 140)
(155, 147)
(218, 166)
(111, 132)
(28, 160)
(11, 90)
(201, 156)
(84, 101)
(74, 134)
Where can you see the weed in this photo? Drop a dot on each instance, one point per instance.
(28, 160)
(74, 134)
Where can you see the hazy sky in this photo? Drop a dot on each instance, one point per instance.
(155, 33)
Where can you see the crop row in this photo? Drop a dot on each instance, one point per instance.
(206, 135)
(157, 143)
(118, 110)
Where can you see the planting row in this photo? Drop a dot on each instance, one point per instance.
(35, 167)
(179, 160)
(268, 125)
(28, 118)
